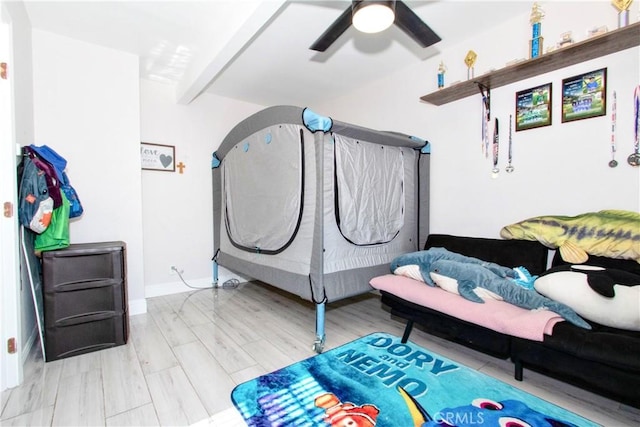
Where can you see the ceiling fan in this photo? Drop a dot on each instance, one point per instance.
(390, 12)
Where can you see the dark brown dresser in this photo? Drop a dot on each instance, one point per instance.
(85, 298)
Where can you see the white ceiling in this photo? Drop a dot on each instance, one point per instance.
(258, 51)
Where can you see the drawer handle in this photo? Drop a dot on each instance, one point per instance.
(86, 349)
(85, 284)
(87, 317)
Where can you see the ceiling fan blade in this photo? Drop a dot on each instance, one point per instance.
(334, 31)
(411, 24)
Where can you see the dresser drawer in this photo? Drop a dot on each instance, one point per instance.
(83, 262)
(71, 300)
(91, 333)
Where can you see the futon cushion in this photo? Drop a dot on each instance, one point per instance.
(499, 316)
(602, 344)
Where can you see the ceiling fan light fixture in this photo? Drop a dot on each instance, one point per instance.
(373, 16)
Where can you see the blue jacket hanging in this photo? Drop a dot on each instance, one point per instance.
(35, 205)
(59, 164)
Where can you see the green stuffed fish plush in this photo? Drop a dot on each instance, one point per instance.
(608, 233)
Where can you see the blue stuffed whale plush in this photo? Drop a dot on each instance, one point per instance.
(424, 259)
(471, 276)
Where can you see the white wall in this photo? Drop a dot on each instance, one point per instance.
(178, 208)
(559, 169)
(87, 108)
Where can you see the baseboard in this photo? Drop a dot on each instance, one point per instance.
(138, 306)
(176, 287)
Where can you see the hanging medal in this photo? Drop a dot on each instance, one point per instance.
(613, 163)
(509, 167)
(486, 117)
(485, 129)
(634, 158)
(496, 144)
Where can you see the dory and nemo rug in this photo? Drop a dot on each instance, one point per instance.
(378, 381)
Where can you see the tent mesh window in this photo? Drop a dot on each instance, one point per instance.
(263, 199)
(369, 191)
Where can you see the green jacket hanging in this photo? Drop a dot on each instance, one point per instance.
(56, 236)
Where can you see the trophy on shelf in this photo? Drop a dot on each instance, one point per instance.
(566, 39)
(441, 70)
(623, 11)
(535, 44)
(470, 60)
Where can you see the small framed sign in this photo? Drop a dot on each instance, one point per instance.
(157, 157)
(584, 96)
(533, 107)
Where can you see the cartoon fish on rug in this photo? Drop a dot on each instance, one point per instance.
(609, 233)
(481, 411)
(346, 414)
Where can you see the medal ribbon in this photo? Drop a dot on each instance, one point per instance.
(496, 142)
(485, 130)
(486, 115)
(636, 119)
(614, 107)
(510, 139)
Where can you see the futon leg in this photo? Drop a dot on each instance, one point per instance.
(318, 344)
(517, 370)
(407, 331)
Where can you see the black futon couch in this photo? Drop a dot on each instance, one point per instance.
(604, 360)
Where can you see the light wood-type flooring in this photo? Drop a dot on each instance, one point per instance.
(187, 353)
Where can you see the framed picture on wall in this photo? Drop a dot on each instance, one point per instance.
(533, 107)
(584, 96)
(157, 157)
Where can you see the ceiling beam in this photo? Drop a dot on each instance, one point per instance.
(204, 71)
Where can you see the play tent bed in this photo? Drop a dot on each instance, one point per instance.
(314, 206)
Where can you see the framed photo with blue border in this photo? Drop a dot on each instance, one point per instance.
(584, 96)
(533, 107)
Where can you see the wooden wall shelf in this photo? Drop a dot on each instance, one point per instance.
(610, 42)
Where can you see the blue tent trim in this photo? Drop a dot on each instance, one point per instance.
(315, 122)
(215, 162)
(426, 148)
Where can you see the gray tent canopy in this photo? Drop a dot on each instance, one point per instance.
(314, 206)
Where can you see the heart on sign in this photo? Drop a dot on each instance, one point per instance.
(165, 160)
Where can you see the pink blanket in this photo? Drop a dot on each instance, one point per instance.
(497, 315)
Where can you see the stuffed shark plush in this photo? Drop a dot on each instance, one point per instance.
(471, 276)
(424, 259)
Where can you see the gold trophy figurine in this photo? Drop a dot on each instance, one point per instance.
(535, 44)
(623, 11)
(470, 60)
(536, 14)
